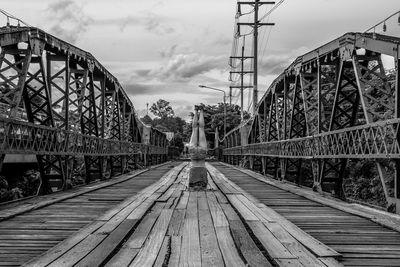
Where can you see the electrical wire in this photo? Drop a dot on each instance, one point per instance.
(272, 9)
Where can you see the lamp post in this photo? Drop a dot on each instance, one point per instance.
(216, 89)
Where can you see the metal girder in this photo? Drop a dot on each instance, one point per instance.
(59, 103)
(330, 105)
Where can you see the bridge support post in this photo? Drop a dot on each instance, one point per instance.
(397, 114)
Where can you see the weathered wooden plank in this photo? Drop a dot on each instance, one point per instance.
(97, 256)
(227, 247)
(72, 256)
(139, 236)
(58, 197)
(255, 209)
(64, 217)
(246, 245)
(268, 215)
(308, 241)
(123, 258)
(245, 212)
(383, 218)
(148, 254)
(210, 253)
(190, 250)
(163, 253)
(138, 212)
(202, 200)
(305, 257)
(221, 197)
(217, 214)
(61, 248)
(330, 262)
(183, 200)
(176, 244)
(177, 222)
(272, 245)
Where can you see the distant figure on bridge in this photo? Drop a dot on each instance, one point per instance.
(198, 152)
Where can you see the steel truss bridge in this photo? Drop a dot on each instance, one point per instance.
(58, 102)
(332, 105)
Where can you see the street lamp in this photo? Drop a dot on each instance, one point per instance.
(216, 89)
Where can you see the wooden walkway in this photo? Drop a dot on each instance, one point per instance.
(361, 241)
(31, 227)
(153, 219)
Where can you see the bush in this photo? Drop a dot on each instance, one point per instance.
(27, 185)
(363, 183)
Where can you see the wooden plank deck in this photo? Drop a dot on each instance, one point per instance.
(361, 241)
(31, 227)
(168, 225)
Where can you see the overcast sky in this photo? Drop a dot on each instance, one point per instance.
(166, 48)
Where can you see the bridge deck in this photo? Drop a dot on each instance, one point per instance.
(160, 222)
(27, 234)
(361, 241)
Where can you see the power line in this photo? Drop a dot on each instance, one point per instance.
(272, 9)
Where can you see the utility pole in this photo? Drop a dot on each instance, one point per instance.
(241, 85)
(242, 72)
(256, 24)
(147, 108)
(230, 96)
(255, 61)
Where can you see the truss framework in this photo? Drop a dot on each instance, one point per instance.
(330, 105)
(58, 103)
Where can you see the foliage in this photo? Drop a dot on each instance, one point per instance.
(169, 124)
(166, 121)
(363, 182)
(27, 185)
(177, 141)
(162, 109)
(79, 171)
(146, 120)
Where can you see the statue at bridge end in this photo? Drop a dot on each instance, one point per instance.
(198, 152)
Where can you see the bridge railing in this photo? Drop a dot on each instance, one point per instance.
(375, 140)
(330, 120)
(59, 103)
(28, 138)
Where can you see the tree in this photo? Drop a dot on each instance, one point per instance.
(147, 120)
(177, 141)
(162, 109)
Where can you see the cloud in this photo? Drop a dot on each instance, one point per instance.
(154, 23)
(182, 67)
(183, 110)
(150, 21)
(124, 22)
(274, 64)
(141, 89)
(66, 20)
(168, 52)
(277, 62)
(222, 41)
